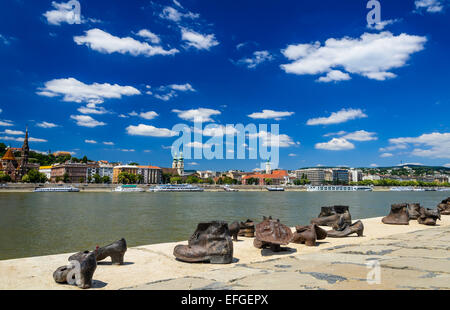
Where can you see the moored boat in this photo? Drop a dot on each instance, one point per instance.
(57, 189)
(338, 188)
(275, 189)
(175, 188)
(128, 189)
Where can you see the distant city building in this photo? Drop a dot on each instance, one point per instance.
(61, 153)
(340, 176)
(151, 174)
(178, 163)
(206, 174)
(103, 170)
(277, 177)
(328, 175)
(75, 172)
(47, 170)
(355, 175)
(234, 174)
(315, 175)
(371, 177)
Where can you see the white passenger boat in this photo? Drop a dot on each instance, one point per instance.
(227, 188)
(275, 189)
(338, 188)
(401, 189)
(128, 189)
(57, 189)
(175, 188)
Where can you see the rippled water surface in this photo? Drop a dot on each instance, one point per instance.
(34, 224)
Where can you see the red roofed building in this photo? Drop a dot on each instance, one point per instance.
(277, 177)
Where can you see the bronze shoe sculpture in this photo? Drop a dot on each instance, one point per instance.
(413, 211)
(308, 234)
(271, 234)
(398, 215)
(115, 250)
(444, 207)
(234, 230)
(211, 242)
(247, 229)
(428, 216)
(80, 270)
(345, 230)
(329, 216)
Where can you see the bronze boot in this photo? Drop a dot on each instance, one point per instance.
(413, 210)
(211, 242)
(271, 234)
(308, 234)
(329, 216)
(398, 215)
(80, 270)
(247, 229)
(234, 230)
(115, 250)
(345, 230)
(428, 216)
(444, 207)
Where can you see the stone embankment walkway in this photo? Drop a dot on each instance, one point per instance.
(409, 257)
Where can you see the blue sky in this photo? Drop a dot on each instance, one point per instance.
(111, 82)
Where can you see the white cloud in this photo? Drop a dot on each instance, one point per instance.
(182, 87)
(193, 163)
(92, 110)
(339, 133)
(433, 145)
(270, 114)
(273, 140)
(381, 25)
(447, 165)
(104, 42)
(150, 131)
(198, 145)
(200, 114)
(217, 131)
(431, 6)
(86, 121)
(198, 40)
(108, 143)
(148, 115)
(64, 13)
(6, 123)
(150, 36)
(31, 139)
(133, 113)
(371, 55)
(172, 93)
(334, 75)
(76, 91)
(341, 116)
(335, 144)
(46, 125)
(166, 97)
(174, 15)
(258, 58)
(373, 165)
(393, 147)
(292, 155)
(13, 132)
(360, 135)
(386, 155)
(123, 116)
(90, 141)
(127, 150)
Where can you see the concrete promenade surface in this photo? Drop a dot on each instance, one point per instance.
(411, 256)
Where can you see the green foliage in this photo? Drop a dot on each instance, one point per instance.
(128, 178)
(4, 177)
(97, 178)
(192, 179)
(253, 181)
(268, 181)
(66, 177)
(226, 180)
(34, 176)
(106, 179)
(175, 180)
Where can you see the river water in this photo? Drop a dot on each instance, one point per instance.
(33, 224)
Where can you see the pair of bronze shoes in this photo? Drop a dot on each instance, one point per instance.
(401, 213)
(444, 207)
(428, 216)
(330, 216)
(211, 242)
(308, 234)
(343, 229)
(271, 234)
(83, 264)
(244, 229)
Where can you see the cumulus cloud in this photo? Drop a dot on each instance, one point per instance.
(386, 155)
(341, 116)
(150, 131)
(198, 40)
(103, 42)
(182, 87)
(430, 6)
(13, 132)
(92, 109)
(46, 125)
(334, 76)
(199, 115)
(217, 130)
(73, 90)
(148, 115)
(108, 143)
(270, 114)
(273, 140)
(175, 15)
(6, 123)
(30, 139)
(258, 58)
(371, 55)
(68, 12)
(90, 141)
(382, 24)
(150, 36)
(433, 145)
(360, 135)
(335, 144)
(86, 121)
(165, 93)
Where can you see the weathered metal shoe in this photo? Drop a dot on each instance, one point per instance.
(234, 230)
(444, 207)
(271, 234)
(247, 229)
(308, 234)
(211, 242)
(428, 216)
(413, 211)
(329, 216)
(115, 250)
(346, 230)
(398, 215)
(80, 270)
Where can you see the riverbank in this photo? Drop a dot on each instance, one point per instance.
(410, 256)
(104, 188)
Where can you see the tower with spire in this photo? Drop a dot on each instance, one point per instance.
(24, 154)
(180, 166)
